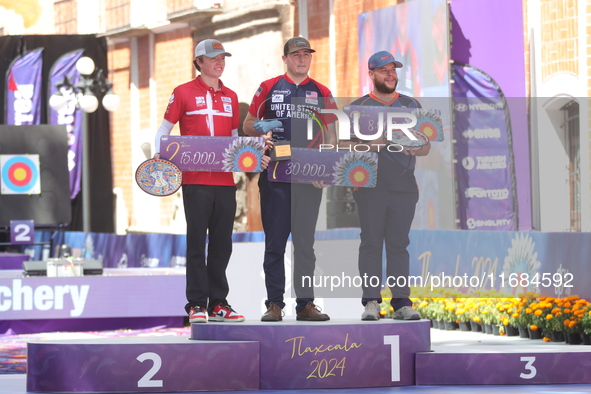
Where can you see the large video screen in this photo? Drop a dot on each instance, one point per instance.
(417, 34)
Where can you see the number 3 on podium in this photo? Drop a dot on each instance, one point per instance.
(22, 232)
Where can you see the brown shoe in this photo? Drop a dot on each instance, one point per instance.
(311, 313)
(274, 313)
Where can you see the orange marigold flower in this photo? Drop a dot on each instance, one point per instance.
(549, 316)
(533, 327)
(505, 322)
(538, 312)
(546, 339)
(566, 322)
(572, 324)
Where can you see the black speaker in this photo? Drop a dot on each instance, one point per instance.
(34, 268)
(92, 267)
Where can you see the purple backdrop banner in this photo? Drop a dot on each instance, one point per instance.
(69, 115)
(92, 296)
(484, 170)
(23, 89)
(476, 37)
(416, 33)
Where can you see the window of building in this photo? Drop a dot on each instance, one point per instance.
(571, 129)
(66, 13)
(117, 14)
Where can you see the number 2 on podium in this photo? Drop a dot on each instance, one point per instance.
(146, 380)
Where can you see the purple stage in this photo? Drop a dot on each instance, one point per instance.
(302, 355)
(335, 354)
(504, 364)
(162, 364)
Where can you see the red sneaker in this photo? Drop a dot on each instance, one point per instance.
(225, 313)
(197, 314)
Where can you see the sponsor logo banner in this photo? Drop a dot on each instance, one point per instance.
(23, 89)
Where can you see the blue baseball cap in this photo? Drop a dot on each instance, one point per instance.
(380, 59)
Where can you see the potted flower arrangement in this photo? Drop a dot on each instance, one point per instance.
(449, 314)
(523, 316)
(427, 308)
(555, 316)
(463, 313)
(538, 314)
(585, 324)
(473, 311)
(509, 312)
(488, 314)
(573, 310)
(437, 307)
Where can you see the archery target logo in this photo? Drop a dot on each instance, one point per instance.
(20, 174)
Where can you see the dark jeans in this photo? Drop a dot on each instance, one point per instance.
(385, 217)
(288, 208)
(210, 212)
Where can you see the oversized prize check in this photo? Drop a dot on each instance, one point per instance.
(216, 154)
(354, 169)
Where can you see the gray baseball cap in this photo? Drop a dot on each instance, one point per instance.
(210, 48)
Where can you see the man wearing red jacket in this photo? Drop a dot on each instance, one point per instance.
(206, 107)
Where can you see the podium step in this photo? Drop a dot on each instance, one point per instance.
(479, 359)
(332, 354)
(141, 364)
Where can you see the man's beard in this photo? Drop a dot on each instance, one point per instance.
(382, 88)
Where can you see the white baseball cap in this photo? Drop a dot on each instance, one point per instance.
(210, 48)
